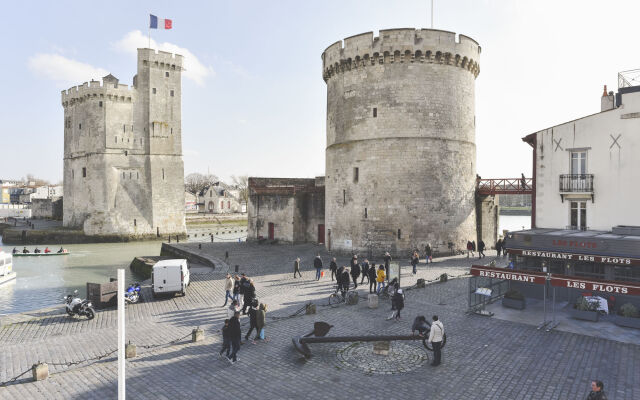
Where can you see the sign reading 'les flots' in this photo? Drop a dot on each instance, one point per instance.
(576, 257)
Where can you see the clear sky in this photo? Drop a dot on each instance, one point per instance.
(253, 99)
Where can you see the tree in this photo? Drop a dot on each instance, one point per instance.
(242, 183)
(197, 182)
(36, 181)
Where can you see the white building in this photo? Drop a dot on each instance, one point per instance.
(587, 171)
(42, 192)
(218, 199)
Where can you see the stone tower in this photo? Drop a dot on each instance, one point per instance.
(401, 154)
(123, 169)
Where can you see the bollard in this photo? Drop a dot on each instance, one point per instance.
(197, 335)
(177, 239)
(130, 350)
(381, 348)
(40, 371)
(212, 238)
(310, 308)
(352, 298)
(199, 246)
(421, 283)
(372, 300)
(169, 238)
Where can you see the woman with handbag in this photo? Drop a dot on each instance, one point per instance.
(261, 315)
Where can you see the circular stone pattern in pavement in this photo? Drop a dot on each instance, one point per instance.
(401, 358)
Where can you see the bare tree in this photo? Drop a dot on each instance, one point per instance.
(196, 182)
(242, 183)
(36, 181)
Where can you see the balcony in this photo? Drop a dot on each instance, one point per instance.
(576, 184)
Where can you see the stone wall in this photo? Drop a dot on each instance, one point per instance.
(47, 208)
(401, 154)
(488, 212)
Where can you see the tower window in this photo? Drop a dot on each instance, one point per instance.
(162, 173)
(72, 174)
(366, 215)
(399, 234)
(116, 138)
(171, 93)
(124, 128)
(130, 174)
(355, 174)
(375, 112)
(153, 90)
(344, 197)
(99, 104)
(84, 172)
(126, 153)
(137, 175)
(135, 223)
(80, 126)
(166, 74)
(172, 131)
(122, 174)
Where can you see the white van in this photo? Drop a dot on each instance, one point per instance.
(170, 276)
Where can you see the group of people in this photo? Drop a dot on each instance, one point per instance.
(37, 251)
(471, 248)
(242, 293)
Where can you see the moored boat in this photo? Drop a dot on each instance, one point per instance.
(6, 268)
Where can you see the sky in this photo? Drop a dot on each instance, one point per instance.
(253, 97)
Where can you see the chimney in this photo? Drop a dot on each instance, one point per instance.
(606, 101)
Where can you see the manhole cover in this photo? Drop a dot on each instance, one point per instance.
(401, 358)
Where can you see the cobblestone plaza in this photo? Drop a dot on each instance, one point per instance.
(484, 358)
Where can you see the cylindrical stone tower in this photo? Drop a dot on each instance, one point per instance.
(401, 154)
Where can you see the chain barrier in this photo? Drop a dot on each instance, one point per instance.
(94, 359)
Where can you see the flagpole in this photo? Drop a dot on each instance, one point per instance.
(149, 30)
(431, 14)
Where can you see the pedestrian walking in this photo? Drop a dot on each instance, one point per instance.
(355, 271)
(436, 335)
(317, 263)
(235, 336)
(252, 319)
(261, 316)
(387, 261)
(228, 288)
(597, 391)
(469, 249)
(344, 281)
(428, 253)
(233, 308)
(498, 247)
(236, 289)
(226, 340)
(372, 278)
(481, 249)
(333, 267)
(504, 246)
(414, 262)
(364, 269)
(249, 295)
(380, 278)
(296, 268)
(473, 247)
(244, 283)
(397, 303)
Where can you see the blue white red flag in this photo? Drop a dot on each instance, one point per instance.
(155, 23)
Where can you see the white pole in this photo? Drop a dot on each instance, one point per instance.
(431, 14)
(121, 336)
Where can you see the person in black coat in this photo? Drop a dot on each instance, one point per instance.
(355, 271)
(252, 319)
(333, 267)
(372, 279)
(317, 264)
(364, 267)
(498, 247)
(226, 340)
(481, 247)
(235, 335)
(244, 282)
(414, 261)
(249, 296)
(387, 261)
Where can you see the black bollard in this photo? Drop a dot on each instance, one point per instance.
(211, 238)
(169, 238)
(177, 239)
(199, 246)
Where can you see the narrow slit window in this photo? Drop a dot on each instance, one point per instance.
(344, 197)
(137, 175)
(375, 112)
(122, 174)
(116, 138)
(135, 223)
(171, 93)
(153, 90)
(162, 173)
(166, 74)
(79, 126)
(99, 104)
(356, 171)
(399, 234)
(84, 172)
(72, 174)
(366, 215)
(124, 128)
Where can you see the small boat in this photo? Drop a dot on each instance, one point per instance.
(6, 268)
(41, 254)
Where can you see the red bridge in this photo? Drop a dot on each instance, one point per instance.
(504, 186)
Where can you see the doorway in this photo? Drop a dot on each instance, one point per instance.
(271, 231)
(320, 233)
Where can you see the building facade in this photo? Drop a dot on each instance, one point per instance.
(289, 210)
(401, 153)
(123, 168)
(218, 199)
(586, 170)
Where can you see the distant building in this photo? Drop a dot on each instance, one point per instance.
(218, 199)
(5, 197)
(190, 202)
(28, 195)
(586, 170)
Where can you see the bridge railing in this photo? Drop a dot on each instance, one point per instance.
(505, 186)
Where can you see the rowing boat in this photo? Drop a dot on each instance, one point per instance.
(40, 254)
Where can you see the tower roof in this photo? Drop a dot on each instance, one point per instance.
(110, 79)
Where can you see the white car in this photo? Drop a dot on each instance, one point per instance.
(170, 277)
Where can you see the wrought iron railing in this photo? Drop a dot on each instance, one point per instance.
(576, 183)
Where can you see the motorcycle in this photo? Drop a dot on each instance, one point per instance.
(77, 306)
(132, 295)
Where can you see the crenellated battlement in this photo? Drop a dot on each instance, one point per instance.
(160, 59)
(97, 90)
(406, 45)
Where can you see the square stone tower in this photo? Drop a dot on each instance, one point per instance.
(123, 169)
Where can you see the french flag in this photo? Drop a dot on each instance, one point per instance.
(164, 23)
